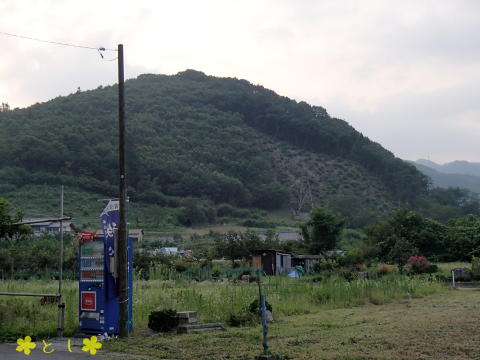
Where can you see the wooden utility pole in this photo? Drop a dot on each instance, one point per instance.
(121, 251)
(61, 304)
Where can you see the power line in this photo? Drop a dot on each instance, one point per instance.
(99, 49)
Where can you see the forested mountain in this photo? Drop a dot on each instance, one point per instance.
(204, 146)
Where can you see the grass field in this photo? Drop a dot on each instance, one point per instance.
(446, 268)
(214, 301)
(441, 326)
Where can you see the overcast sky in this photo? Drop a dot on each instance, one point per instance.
(404, 73)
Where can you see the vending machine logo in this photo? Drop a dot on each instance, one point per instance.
(89, 300)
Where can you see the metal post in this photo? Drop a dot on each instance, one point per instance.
(61, 305)
(263, 311)
(121, 251)
(453, 279)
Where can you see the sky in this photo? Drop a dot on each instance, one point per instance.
(404, 73)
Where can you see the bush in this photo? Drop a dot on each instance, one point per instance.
(216, 272)
(254, 306)
(358, 267)
(384, 270)
(349, 274)
(353, 256)
(163, 320)
(241, 319)
(181, 265)
(418, 265)
(326, 265)
(476, 267)
(225, 210)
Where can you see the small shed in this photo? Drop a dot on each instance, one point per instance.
(272, 262)
(306, 261)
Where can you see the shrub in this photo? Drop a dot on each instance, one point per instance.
(384, 270)
(241, 319)
(418, 264)
(163, 320)
(225, 210)
(326, 265)
(348, 274)
(352, 256)
(181, 265)
(475, 267)
(358, 267)
(254, 306)
(216, 272)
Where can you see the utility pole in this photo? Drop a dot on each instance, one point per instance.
(121, 250)
(61, 304)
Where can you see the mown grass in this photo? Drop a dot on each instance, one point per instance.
(441, 326)
(214, 301)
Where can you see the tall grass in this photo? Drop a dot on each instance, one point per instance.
(214, 301)
(21, 316)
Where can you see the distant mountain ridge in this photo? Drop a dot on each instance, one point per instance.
(454, 167)
(460, 173)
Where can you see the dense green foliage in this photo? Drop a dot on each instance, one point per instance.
(163, 320)
(24, 257)
(8, 220)
(444, 204)
(408, 233)
(237, 245)
(322, 231)
(464, 237)
(216, 141)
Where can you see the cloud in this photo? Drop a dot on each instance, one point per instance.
(443, 125)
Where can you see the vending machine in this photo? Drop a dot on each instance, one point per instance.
(98, 286)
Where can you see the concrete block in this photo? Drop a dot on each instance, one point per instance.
(186, 329)
(187, 317)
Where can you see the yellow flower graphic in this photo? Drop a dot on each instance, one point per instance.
(91, 345)
(25, 345)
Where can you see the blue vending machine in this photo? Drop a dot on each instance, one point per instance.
(98, 287)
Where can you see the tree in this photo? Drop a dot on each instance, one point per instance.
(237, 245)
(463, 238)
(230, 246)
(401, 250)
(7, 221)
(5, 107)
(425, 235)
(322, 231)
